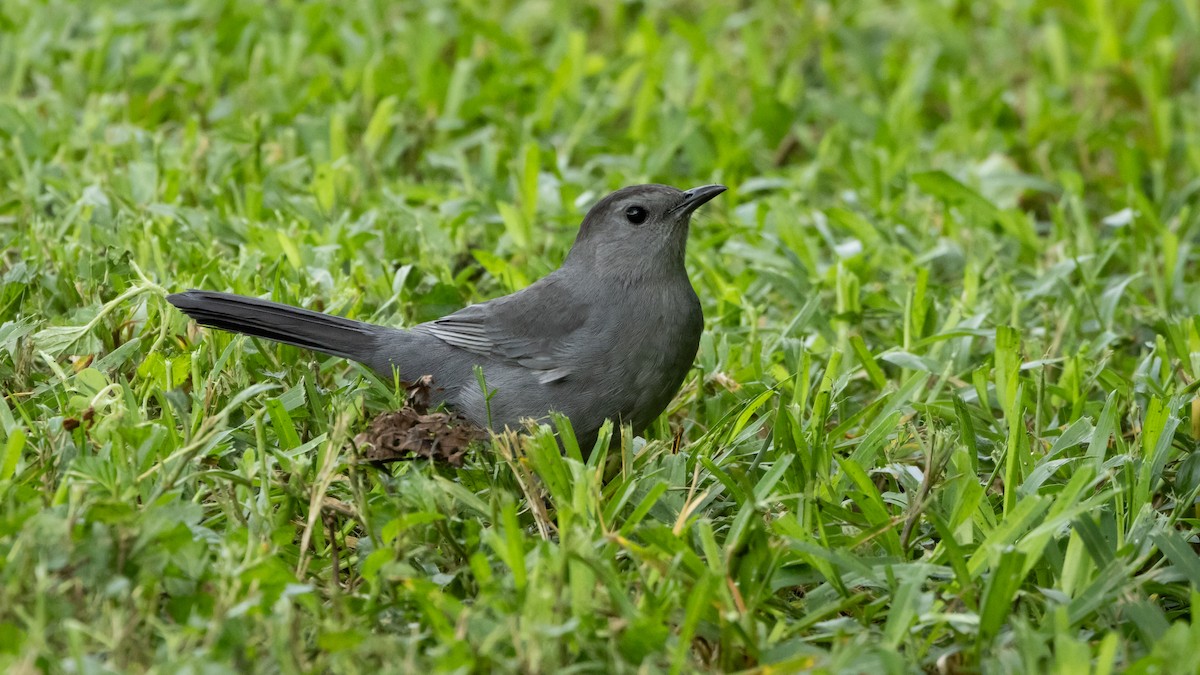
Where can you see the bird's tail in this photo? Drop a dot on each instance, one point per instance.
(282, 323)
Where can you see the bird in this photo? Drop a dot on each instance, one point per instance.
(609, 335)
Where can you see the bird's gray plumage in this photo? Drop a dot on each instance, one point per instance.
(608, 335)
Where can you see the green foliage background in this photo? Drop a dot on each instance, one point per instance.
(942, 417)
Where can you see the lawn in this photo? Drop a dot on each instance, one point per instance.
(942, 418)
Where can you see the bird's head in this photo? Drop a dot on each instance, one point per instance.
(640, 227)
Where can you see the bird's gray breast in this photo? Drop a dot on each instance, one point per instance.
(650, 349)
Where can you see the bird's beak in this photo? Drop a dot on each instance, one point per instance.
(694, 198)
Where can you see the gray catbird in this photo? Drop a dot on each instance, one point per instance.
(608, 335)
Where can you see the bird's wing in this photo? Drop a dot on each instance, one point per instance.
(532, 328)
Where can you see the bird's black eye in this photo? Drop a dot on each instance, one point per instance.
(636, 214)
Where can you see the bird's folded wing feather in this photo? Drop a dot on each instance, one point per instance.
(533, 329)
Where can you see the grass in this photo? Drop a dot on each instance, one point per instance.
(943, 415)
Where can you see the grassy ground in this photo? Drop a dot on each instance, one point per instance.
(942, 417)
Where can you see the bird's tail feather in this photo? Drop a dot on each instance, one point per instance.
(282, 323)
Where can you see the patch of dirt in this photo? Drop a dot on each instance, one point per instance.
(414, 432)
